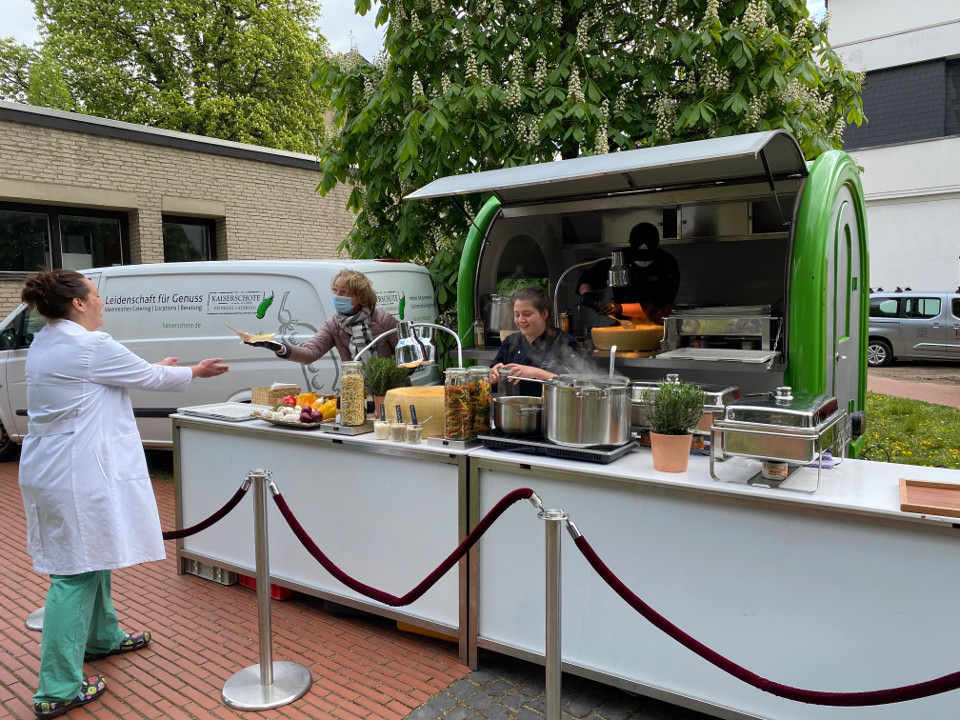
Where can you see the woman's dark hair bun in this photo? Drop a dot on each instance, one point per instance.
(51, 292)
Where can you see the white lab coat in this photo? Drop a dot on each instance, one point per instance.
(83, 475)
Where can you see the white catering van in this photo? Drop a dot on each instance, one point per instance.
(183, 310)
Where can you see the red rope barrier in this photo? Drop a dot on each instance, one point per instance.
(215, 518)
(384, 597)
(815, 697)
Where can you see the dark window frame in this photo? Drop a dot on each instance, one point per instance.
(208, 222)
(54, 213)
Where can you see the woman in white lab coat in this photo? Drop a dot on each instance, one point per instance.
(83, 478)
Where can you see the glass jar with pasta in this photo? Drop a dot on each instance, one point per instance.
(353, 397)
(457, 411)
(479, 384)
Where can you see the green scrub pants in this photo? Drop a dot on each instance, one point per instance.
(78, 618)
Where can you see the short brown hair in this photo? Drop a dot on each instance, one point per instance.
(359, 286)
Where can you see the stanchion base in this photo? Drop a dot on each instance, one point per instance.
(35, 620)
(244, 690)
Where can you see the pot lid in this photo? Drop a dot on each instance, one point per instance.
(733, 159)
(783, 408)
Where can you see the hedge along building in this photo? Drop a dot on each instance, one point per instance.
(78, 191)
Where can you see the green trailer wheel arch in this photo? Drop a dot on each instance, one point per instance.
(467, 274)
(809, 280)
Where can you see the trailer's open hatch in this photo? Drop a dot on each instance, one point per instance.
(763, 156)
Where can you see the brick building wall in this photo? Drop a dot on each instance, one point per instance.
(262, 200)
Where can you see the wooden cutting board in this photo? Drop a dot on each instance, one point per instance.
(930, 496)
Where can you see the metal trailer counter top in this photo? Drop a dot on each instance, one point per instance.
(836, 590)
(386, 513)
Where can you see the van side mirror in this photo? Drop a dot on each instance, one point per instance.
(8, 339)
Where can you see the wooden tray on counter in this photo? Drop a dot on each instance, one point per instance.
(930, 496)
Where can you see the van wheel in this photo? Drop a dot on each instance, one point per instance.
(8, 448)
(879, 353)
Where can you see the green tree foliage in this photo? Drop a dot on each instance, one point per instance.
(235, 70)
(467, 85)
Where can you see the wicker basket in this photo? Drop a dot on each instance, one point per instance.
(266, 396)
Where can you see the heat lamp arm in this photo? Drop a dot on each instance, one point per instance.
(556, 289)
(448, 330)
(373, 342)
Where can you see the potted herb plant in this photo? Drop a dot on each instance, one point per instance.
(382, 374)
(673, 411)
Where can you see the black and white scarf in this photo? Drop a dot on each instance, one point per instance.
(358, 325)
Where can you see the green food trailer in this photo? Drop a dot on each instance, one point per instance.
(772, 254)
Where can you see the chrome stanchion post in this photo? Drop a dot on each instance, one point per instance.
(269, 684)
(553, 658)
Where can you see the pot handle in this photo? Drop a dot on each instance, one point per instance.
(526, 379)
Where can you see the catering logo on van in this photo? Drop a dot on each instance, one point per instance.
(391, 301)
(238, 302)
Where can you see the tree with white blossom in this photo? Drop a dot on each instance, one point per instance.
(468, 86)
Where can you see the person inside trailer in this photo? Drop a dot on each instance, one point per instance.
(654, 279)
(540, 350)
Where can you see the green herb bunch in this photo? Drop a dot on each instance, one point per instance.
(382, 374)
(675, 408)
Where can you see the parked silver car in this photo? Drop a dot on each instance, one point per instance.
(912, 324)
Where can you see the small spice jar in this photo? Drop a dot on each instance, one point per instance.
(398, 432)
(381, 429)
(457, 413)
(353, 399)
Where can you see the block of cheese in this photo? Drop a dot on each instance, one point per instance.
(428, 402)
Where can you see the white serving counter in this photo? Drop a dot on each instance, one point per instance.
(836, 590)
(385, 513)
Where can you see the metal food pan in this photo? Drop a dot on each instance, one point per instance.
(716, 398)
(779, 443)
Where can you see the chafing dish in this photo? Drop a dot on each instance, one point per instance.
(716, 398)
(780, 429)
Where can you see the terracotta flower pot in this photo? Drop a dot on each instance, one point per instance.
(671, 453)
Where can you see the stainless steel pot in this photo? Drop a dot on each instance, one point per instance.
(517, 414)
(500, 314)
(584, 411)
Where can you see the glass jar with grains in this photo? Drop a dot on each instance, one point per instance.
(353, 398)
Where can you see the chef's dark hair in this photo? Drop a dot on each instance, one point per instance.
(52, 292)
(538, 297)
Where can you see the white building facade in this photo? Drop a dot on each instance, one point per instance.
(909, 148)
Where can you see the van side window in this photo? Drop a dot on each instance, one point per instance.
(883, 307)
(19, 334)
(921, 307)
(955, 309)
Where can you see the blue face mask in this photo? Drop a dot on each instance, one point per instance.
(343, 304)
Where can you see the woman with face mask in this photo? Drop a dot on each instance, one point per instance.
(354, 326)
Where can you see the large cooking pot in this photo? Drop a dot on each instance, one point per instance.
(500, 314)
(586, 411)
(517, 414)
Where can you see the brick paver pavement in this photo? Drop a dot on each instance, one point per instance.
(362, 666)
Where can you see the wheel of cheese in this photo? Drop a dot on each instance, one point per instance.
(639, 337)
(428, 402)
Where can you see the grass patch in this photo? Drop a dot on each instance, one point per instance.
(912, 432)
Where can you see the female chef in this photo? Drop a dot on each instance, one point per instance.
(89, 504)
(539, 350)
